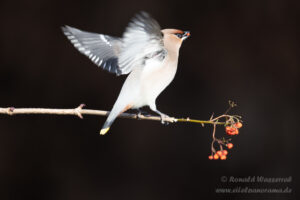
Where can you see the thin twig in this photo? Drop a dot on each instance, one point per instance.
(79, 111)
(214, 138)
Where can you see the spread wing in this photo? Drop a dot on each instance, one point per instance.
(142, 40)
(103, 50)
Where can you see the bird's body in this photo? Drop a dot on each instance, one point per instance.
(152, 80)
(144, 85)
(148, 54)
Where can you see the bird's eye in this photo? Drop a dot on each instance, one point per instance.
(178, 35)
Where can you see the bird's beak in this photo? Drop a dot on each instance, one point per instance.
(186, 35)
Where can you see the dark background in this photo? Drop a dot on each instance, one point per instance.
(246, 51)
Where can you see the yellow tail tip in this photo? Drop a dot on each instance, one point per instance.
(104, 131)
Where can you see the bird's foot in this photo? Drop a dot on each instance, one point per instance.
(165, 119)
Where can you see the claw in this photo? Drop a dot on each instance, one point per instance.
(163, 118)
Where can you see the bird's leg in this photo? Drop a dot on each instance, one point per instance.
(141, 112)
(162, 115)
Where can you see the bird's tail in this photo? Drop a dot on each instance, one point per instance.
(106, 127)
(110, 119)
(115, 112)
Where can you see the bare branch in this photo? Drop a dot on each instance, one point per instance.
(79, 111)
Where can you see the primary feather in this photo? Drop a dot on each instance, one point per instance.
(103, 50)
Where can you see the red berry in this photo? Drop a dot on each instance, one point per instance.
(216, 157)
(232, 131)
(223, 157)
(236, 132)
(229, 145)
(225, 152)
(210, 157)
(219, 153)
(238, 125)
(227, 128)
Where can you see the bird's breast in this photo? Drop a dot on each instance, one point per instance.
(157, 76)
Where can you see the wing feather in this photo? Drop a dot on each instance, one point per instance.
(142, 38)
(103, 50)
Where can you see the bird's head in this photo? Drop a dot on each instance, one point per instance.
(173, 38)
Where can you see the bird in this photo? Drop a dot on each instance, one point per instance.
(145, 52)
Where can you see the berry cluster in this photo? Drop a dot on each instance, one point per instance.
(232, 125)
(232, 129)
(221, 154)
